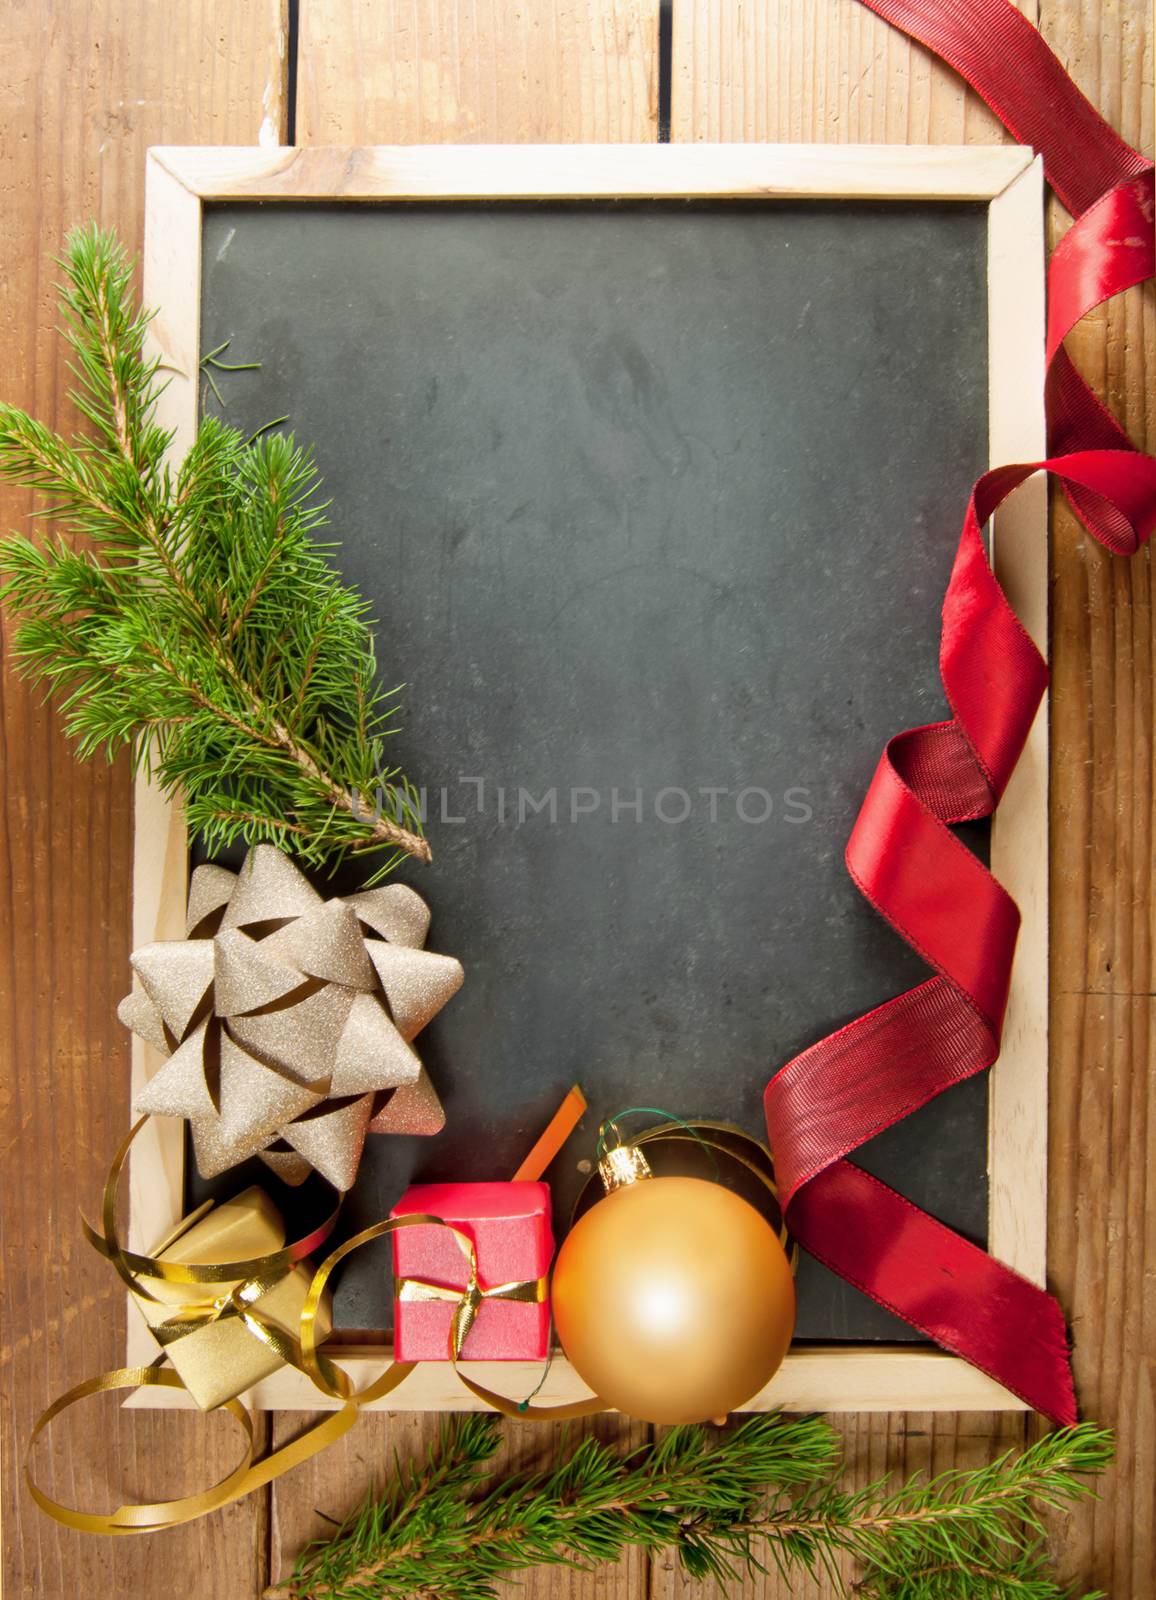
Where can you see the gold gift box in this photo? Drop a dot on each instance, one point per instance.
(221, 1359)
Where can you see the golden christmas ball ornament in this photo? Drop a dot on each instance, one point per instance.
(673, 1297)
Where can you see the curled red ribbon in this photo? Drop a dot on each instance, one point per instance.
(902, 854)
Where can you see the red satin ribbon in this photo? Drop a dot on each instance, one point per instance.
(902, 854)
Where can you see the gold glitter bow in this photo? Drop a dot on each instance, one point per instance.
(288, 1019)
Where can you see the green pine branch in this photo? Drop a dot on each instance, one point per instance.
(730, 1505)
(199, 622)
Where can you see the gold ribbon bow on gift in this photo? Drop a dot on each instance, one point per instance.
(469, 1300)
(237, 1303)
(531, 1291)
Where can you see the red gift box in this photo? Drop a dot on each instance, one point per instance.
(509, 1224)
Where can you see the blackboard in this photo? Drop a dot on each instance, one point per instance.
(646, 496)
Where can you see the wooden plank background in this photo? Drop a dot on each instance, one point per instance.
(84, 90)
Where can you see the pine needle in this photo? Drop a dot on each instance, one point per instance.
(729, 1505)
(198, 621)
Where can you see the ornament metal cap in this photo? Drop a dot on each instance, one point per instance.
(623, 1165)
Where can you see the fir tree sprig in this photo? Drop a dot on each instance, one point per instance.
(727, 1503)
(200, 623)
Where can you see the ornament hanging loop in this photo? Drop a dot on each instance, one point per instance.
(623, 1164)
(625, 1160)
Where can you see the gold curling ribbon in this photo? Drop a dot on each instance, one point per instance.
(132, 1266)
(257, 1276)
(330, 1380)
(141, 1518)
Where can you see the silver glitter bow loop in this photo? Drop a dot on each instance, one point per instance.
(288, 1019)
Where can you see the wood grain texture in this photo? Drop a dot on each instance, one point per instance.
(1103, 1125)
(537, 171)
(477, 71)
(827, 70)
(83, 91)
(1018, 1093)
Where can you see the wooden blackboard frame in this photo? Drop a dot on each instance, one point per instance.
(180, 182)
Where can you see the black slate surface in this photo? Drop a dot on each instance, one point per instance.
(656, 497)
